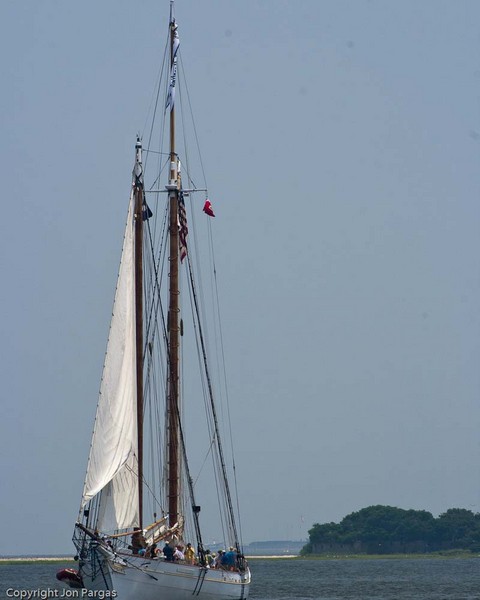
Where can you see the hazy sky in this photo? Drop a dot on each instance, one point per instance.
(341, 141)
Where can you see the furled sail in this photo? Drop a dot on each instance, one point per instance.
(112, 464)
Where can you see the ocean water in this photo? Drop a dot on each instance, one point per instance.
(387, 579)
(421, 579)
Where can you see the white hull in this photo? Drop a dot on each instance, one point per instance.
(144, 579)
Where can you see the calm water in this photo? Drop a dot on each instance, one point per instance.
(423, 579)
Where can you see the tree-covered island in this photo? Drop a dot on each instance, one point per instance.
(389, 530)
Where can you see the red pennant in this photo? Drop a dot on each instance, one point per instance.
(207, 208)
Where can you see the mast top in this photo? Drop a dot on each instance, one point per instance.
(138, 169)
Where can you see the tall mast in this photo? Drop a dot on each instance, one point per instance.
(173, 473)
(138, 227)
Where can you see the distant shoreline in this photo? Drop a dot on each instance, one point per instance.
(18, 560)
(414, 556)
(34, 559)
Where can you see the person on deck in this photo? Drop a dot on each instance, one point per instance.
(138, 541)
(209, 558)
(229, 559)
(190, 554)
(178, 554)
(218, 560)
(168, 552)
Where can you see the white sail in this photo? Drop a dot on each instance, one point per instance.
(112, 464)
(119, 501)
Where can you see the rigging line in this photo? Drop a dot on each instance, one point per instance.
(210, 425)
(202, 375)
(217, 463)
(192, 184)
(152, 326)
(156, 297)
(157, 283)
(162, 128)
(227, 398)
(198, 269)
(215, 419)
(199, 356)
(215, 323)
(193, 123)
(204, 461)
(182, 443)
(155, 152)
(200, 580)
(153, 432)
(101, 569)
(185, 146)
(200, 362)
(185, 461)
(160, 365)
(225, 385)
(156, 438)
(160, 172)
(189, 478)
(223, 510)
(144, 481)
(139, 569)
(154, 323)
(157, 87)
(152, 492)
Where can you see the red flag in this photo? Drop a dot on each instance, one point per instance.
(207, 208)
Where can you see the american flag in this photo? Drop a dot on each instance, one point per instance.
(182, 226)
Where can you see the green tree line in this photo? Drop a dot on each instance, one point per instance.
(386, 529)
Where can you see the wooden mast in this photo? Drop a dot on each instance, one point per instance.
(173, 311)
(138, 228)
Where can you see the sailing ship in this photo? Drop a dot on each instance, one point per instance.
(139, 503)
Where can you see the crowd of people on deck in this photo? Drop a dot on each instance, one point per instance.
(223, 560)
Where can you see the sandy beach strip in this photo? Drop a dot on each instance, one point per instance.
(30, 559)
